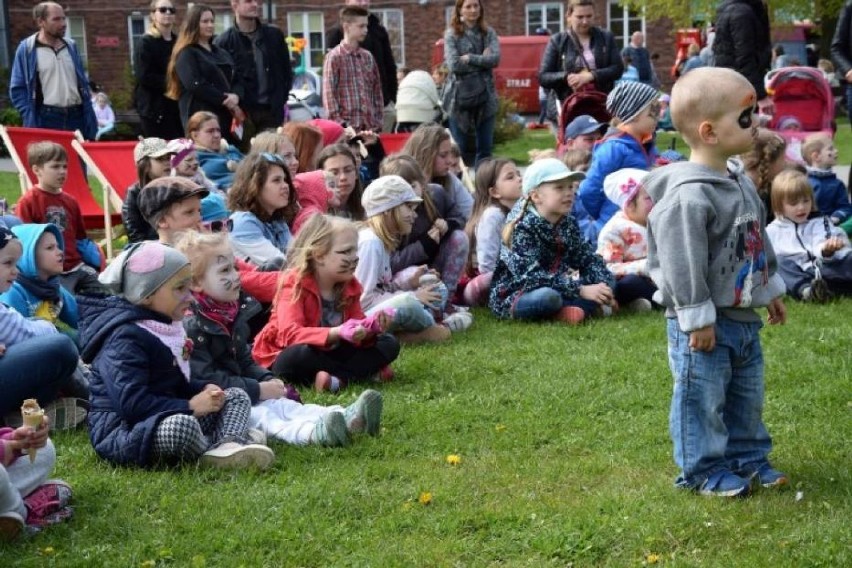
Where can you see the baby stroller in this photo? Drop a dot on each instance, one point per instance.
(592, 103)
(305, 101)
(804, 105)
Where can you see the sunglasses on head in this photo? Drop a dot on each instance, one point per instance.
(166, 10)
(219, 226)
(746, 117)
(273, 159)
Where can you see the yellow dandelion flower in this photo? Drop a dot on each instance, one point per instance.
(47, 551)
(652, 558)
(500, 427)
(148, 564)
(425, 498)
(454, 459)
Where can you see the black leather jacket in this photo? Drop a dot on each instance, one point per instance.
(560, 59)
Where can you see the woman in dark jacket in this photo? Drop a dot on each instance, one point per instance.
(471, 52)
(581, 56)
(157, 113)
(841, 54)
(201, 76)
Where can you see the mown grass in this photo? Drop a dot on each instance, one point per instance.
(565, 461)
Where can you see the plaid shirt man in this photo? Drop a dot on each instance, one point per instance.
(352, 88)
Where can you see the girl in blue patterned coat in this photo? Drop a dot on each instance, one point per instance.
(542, 247)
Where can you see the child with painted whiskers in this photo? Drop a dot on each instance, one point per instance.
(145, 407)
(542, 247)
(814, 256)
(318, 333)
(709, 255)
(219, 330)
(184, 163)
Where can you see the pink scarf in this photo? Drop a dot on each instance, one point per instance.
(173, 336)
(223, 313)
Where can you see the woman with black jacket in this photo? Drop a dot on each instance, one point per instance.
(580, 56)
(157, 113)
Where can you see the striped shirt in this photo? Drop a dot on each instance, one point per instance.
(352, 88)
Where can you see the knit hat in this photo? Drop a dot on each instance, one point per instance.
(583, 124)
(6, 236)
(150, 148)
(163, 192)
(546, 170)
(417, 98)
(385, 193)
(213, 208)
(180, 148)
(629, 98)
(141, 269)
(331, 131)
(622, 186)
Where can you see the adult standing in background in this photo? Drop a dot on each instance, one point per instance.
(201, 76)
(158, 114)
(377, 43)
(641, 59)
(743, 44)
(48, 86)
(841, 53)
(471, 52)
(581, 57)
(262, 60)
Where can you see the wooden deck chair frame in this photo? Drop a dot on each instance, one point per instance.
(26, 184)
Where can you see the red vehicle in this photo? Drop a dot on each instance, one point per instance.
(517, 75)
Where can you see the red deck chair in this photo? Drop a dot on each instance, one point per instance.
(17, 140)
(393, 142)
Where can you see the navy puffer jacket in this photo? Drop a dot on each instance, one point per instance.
(135, 380)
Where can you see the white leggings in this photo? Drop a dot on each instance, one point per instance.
(288, 420)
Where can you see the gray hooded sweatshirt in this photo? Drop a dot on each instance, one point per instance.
(708, 251)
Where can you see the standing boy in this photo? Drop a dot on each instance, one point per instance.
(351, 86)
(710, 257)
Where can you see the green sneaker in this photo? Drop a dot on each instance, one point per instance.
(331, 431)
(365, 414)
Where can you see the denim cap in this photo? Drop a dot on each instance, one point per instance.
(547, 170)
(583, 124)
(141, 269)
(621, 186)
(165, 191)
(385, 193)
(213, 208)
(150, 148)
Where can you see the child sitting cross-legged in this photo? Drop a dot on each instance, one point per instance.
(814, 256)
(623, 241)
(318, 333)
(219, 328)
(145, 407)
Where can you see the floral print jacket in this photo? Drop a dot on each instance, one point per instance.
(623, 244)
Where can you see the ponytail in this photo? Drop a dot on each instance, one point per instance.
(509, 229)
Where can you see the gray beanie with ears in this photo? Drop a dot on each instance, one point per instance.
(141, 270)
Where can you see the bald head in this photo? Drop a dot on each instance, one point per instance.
(637, 39)
(705, 93)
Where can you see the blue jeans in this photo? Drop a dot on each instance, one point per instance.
(632, 287)
(36, 368)
(543, 303)
(70, 119)
(716, 419)
(409, 314)
(484, 138)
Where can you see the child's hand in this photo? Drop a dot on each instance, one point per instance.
(599, 293)
(414, 281)
(352, 331)
(272, 389)
(777, 312)
(703, 339)
(208, 401)
(429, 295)
(441, 225)
(2, 349)
(831, 246)
(434, 234)
(24, 438)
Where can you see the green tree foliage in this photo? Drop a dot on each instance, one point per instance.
(686, 13)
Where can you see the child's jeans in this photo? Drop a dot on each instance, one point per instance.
(716, 419)
(36, 368)
(632, 287)
(544, 303)
(452, 255)
(409, 313)
(837, 274)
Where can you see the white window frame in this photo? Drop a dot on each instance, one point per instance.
(305, 18)
(624, 39)
(543, 7)
(223, 21)
(265, 15)
(131, 37)
(79, 40)
(398, 50)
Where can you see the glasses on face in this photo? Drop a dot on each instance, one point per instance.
(746, 117)
(166, 10)
(273, 159)
(654, 110)
(219, 226)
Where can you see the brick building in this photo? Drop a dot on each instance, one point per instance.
(106, 31)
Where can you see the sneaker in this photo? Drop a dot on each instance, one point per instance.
(458, 321)
(327, 382)
(365, 414)
(48, 504)
(330, 430)
(255, 436)
(769, 478)
(237, 456)
(820, 292)
(640, 305)
(11, 525)
(725, 484)
(67, 413)
(570, 315)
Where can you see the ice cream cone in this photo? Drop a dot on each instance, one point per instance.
(32, 415)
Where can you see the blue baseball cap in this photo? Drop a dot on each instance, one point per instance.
(547, 170)
(583, 124)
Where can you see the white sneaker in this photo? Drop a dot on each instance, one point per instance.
(237, 456)
(640, 305)
(365, 414)
(256, 436)
(330, 430)
(458, 321)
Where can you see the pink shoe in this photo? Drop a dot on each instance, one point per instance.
(571, 315)
(327, 382)
(48, 504)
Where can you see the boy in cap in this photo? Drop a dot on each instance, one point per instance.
(709, 255)
(635, 108)
(171, 205)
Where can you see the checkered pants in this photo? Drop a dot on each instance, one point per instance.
(182, 437)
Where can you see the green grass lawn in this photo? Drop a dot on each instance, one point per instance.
(565, 461)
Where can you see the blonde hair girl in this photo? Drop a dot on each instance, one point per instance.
(765, 161)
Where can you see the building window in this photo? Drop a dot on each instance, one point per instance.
(223, 22)
(308, 25)
(137, 25)
(76, 30)
(392, 20)
(623, 22)
(548, 16)
(270, 12)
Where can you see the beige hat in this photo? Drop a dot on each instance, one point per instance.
(150, 148)
(385, 193)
